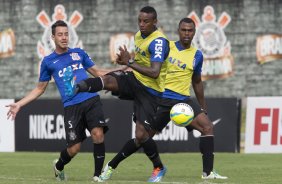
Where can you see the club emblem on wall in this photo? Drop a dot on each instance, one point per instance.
(46, 45)
(210, 38)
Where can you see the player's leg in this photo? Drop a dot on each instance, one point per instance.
(96, 124)
(92, 85)
(128, 149)
(144, 138)
(205, 126)
(97, 136)
(65, 157)
(75, 134)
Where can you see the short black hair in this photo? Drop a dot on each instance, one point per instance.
(150, 9)
(187, 20)
(56, 24)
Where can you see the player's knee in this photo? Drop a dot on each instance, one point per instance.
(97, 135)
(109, 81)
(140, 137)
(208, 129)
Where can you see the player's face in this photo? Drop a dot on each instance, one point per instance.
(186, 33)
(146, 22)
(61, 37)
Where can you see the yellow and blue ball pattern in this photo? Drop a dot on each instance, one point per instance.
(181, 114)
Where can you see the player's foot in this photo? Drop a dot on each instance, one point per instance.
(69, 82)
(213, 175)
(157, 174)
(97, 179)
(59, 175)
(107, 173)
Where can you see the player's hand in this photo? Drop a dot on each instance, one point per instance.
(123, 57)
(14, 109)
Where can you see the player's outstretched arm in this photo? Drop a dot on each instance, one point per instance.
(95, 71)
(34, 94)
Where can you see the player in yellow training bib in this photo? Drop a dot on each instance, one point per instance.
(144, 86)
(184, 70)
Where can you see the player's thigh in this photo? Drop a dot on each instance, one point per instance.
(161, 118)
(124, 84)
(203, 124)
(94, 117)
(74, 126)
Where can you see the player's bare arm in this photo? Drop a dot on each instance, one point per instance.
(96, 71)
(199, 90)
(34, 94)
(123, 59)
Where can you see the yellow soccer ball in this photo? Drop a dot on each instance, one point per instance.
(181, 114)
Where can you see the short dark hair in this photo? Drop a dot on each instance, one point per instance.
(150, 9)
(56, 24)
(187, 20)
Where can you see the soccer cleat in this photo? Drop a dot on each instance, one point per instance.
(69, 82)
(59, 175)
(97, 179)
(157, 174)
(213, 175)
(107, 173)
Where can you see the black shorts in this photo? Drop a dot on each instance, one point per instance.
(162, 116)
(144, 103)
(82, 116)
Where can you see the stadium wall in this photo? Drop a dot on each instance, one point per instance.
(244, 62)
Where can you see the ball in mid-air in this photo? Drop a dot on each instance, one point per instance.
(181, 114)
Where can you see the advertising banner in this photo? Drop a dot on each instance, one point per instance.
(263, 125)
(40, 127)
(7, 128)
(269, 48)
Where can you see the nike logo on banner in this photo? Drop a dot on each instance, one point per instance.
(197, 134)
(216, 121)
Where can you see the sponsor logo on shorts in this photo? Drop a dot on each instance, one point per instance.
(72, 135)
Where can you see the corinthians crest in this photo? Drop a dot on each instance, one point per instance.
(46, 45)
(210, 38)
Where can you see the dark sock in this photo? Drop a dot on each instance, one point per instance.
(207, 149)
(99, 157)
(151, 150)
(64, 159)
(129, 148)
(91, 85)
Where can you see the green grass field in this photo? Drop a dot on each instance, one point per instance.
(36, 167)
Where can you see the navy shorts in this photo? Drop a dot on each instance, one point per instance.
(144, 103)
(82, 116)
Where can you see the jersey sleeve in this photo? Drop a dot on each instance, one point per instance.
(198, 62)
(87, 61)
(159, 49)
(44, 72)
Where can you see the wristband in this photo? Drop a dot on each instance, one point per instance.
(131, 61)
